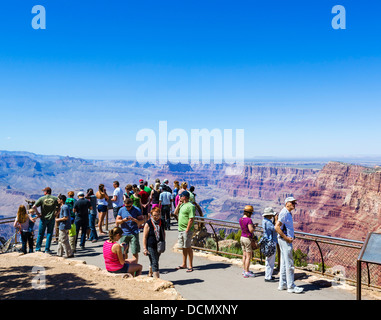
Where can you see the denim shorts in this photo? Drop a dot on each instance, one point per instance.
(124, 269)
(102, 208)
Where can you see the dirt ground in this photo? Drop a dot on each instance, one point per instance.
(67, 279)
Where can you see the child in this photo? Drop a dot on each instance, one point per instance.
(22, 223)
(70, 201)
(33, 216)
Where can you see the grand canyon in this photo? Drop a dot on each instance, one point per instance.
(334, 198)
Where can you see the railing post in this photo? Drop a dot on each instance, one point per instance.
(279, 256)
(322, 259)
(358, 284)
(215, 237)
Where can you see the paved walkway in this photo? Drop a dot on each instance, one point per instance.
(216, 280)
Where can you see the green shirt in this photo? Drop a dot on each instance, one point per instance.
(147, 189)
(136, 200)
(48, 204)
(186, 212)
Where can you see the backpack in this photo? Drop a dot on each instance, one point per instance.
(267, 247)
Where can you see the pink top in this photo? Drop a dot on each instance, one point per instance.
(111, 259)
(244, 223)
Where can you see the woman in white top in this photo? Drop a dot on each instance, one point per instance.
(102, 204)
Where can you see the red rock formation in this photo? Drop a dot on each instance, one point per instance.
(269, 183)
(344, 201)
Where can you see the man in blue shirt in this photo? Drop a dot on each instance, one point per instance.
(165, 199)
(130, 218)
(64, 227)
(285, 228)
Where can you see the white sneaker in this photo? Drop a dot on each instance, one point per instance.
(295, 290)
(282, 288)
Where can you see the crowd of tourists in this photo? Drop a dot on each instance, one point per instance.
(147, 209)
(138, 208)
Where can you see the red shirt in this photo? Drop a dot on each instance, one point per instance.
(144, 196)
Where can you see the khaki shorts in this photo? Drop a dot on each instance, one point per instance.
(246, 244)
(185, 239)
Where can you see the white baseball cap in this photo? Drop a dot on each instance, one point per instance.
(289, 199)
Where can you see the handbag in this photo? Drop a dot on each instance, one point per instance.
(267, 247)
(161, 246)
(254, 243)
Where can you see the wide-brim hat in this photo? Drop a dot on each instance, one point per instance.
(268, 212)
(248, 209)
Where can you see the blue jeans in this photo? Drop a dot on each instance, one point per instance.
(26, 238)
(47, 225)
(153, 258)
(166, 216)
(81, 224)
(93, 231)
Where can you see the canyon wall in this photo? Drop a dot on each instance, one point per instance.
(344, 201)
(340, 200)
(268, 183)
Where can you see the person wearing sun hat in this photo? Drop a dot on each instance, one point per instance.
(285, 229)
(269, 233)
(247, 233)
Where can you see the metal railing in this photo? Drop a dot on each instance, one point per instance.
(12, 236)
(329, 256)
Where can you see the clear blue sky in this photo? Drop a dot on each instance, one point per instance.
(103, 70)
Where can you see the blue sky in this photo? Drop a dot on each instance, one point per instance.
(103, 70)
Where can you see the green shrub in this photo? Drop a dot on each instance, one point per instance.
(210, 244)
(300, 258)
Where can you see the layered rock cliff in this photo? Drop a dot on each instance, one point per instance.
(344, 201)
(269, 183)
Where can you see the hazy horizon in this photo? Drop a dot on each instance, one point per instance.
(253, 159)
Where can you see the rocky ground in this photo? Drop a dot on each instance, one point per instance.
(67, 279)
